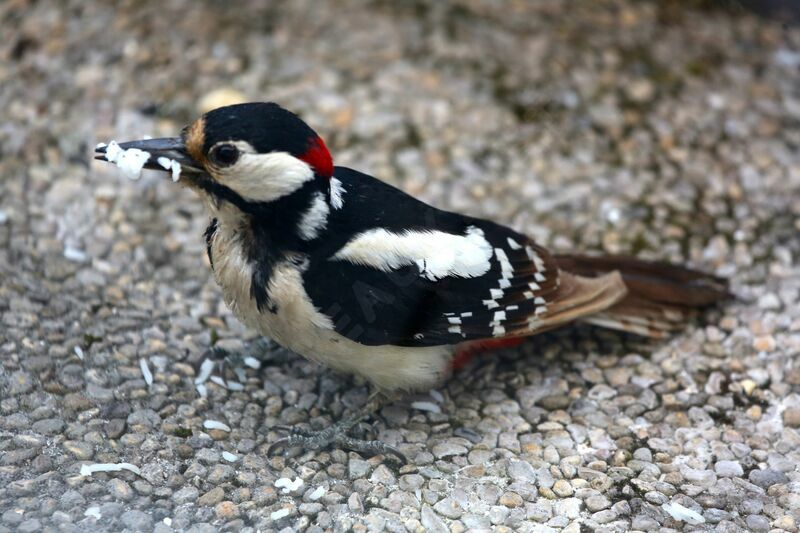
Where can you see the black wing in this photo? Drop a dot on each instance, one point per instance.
(402, 306)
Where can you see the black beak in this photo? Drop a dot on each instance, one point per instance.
(171, 148)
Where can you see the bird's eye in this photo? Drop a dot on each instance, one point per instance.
(224, 155)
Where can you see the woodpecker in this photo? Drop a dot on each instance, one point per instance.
(355, 274)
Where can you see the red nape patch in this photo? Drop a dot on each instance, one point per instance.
(318, 157)
(467, 350)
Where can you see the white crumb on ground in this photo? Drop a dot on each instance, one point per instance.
(318, 493)
(280, 513)
(287, 485)
(230, 457)
(130, 162)
(202, 390)
(426, 406)
(252, 362)
(93, 512)
(683, 514)
(219, 381)
(88, 470)
(167, 521)
(205, 372)
(75, 255)
(148, 376)
(213, 424)
(79, 352)
(436, 395)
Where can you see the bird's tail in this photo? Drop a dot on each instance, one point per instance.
(661, 297)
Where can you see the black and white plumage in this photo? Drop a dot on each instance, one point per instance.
(349, 271)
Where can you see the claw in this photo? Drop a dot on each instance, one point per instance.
(278, 445)
(374, 447)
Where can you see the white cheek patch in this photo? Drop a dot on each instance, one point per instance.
(436, 253)
(314, 219)
(265, 177)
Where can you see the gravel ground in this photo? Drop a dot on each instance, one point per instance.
(598, 125)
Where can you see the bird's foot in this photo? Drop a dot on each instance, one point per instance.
(338, 436)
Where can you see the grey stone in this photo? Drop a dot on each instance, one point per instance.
(357, 468)
(728, 469)
(137, 520)
(19, 382)
(757, 522)
(431, 522)
(449, 508)
(767, 477)
(48, 426)
(30, 526)
(521, 471)
(119, 489)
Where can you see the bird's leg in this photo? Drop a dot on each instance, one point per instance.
(337, 434)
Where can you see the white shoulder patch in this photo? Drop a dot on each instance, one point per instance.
(436, 253)
(337, 191)
(315, 218)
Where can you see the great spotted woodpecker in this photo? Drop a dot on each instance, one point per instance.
(351, 272)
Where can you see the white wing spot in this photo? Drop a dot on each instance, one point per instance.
(314, 219)
(337, 191)
(437, 254)
(514, 244)
(490, 304)
(498, 331)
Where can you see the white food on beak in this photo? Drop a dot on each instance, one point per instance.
(171, 164)
(130, 161)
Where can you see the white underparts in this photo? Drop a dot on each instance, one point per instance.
(315, 218)
(436, 253)
(298, 325)
(337, 192)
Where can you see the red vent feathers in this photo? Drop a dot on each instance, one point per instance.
(319, 158)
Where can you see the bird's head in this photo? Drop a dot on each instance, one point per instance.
(248, 154)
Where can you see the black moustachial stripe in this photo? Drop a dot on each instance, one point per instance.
(272, 230)
(209, 234)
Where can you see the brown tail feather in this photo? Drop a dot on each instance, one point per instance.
(661, 297)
